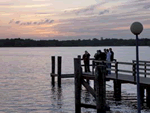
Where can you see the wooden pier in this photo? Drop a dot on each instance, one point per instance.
(99, 75)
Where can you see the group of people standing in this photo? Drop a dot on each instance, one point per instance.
(106, 55)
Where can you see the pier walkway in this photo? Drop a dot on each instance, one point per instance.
(121, 73)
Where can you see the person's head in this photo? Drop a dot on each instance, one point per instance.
(105, 50)
(110, 49)
(86, 52)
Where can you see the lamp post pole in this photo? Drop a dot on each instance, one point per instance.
(137, 67)
(136, 28)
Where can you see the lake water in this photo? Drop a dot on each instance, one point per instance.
(25, 83)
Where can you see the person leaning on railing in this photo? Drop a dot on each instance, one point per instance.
(86, 58)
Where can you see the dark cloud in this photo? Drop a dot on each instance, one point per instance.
(84, 10)
(17, 22)
(46, 21)
(146, 7)
(103, 12)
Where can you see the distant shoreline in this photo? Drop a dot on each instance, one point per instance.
(17, 42)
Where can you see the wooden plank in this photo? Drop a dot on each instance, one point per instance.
(129, 78)
(54, 75)
(142, 61)
(67, 75)
(87, 76)
(88, 106)
(127, 71)
(126, 63)
(89, 88)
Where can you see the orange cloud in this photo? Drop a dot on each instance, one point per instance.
(121, 28)
(25, 6)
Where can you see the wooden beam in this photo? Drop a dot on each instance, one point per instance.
(89, 88)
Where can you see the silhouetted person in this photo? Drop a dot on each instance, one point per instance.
(97, 55)
(112, 54)
(108, 58)
(86, 57)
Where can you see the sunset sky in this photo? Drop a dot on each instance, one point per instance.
(72, 19)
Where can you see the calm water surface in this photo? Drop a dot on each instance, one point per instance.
(25, 83)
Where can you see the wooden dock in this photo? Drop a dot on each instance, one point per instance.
(98, 74)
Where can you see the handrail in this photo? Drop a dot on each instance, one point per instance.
(142, 61)
(116, 66)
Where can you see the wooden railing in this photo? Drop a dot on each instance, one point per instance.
(115, 67)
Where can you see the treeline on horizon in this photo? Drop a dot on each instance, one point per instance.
(17, 42)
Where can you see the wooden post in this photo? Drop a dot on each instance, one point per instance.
(93, 66)
(53, 70)
(117, 90)
(77, 72)
(148, 96)
(116, 69)
(134, 70)
(59, 71)
(145, 68)
(100, 82)
(142, 94)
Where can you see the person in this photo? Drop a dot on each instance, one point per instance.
(86, 57)
(108, 58)
(112, 54)
(103, 56)
(97, 55)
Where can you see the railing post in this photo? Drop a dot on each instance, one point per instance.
(53, 70)
(134, 70)
(77, 72)
(59, 71)
(93, 66)
(145, 68)
(116, 69)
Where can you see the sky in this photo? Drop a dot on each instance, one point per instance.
(72, 19)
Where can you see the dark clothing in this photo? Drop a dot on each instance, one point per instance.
(103, 56)
(97, 56)
(112, 55)
(86, 58)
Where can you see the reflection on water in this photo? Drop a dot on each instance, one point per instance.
(25, 83)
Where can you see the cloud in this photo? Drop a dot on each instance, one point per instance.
(146, 7)
(103, 12)
(11, 21)
(84, 10)
(46, 21)
(24, 6)
(17, 22)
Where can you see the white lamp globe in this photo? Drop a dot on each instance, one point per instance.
(136, 28)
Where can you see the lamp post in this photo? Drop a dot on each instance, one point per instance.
(136, 28)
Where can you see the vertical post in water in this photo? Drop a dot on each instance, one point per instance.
(100, 89)
(53, 70)
(77, 73)
(59, 71)
(148, 96)
(142, 94)
(117, 90)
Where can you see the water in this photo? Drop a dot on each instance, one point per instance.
(25, 83)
